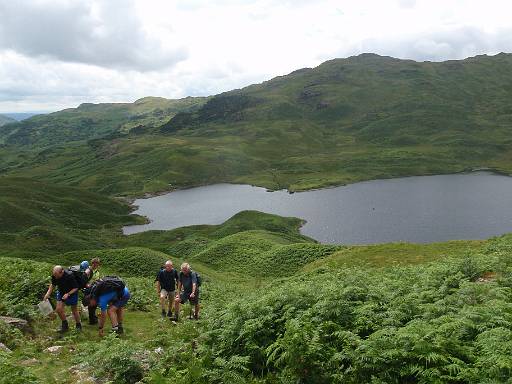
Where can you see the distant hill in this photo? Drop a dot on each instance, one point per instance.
(90, 121)
(352, 119)
(19, 116)
(6, 120)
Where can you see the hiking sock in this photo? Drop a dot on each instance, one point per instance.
(169, 313)
(163, 312)
(175, 318)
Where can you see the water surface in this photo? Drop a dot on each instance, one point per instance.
(415, 209)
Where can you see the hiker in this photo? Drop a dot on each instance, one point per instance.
(188, 290)
(109, 292)
(95, 268)
(166, 281)
(67, 294)
(95, 275)
(82, 273)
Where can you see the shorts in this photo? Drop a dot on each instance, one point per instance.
(119, 303)
(185, 296)
(71, 300)
(167, 294)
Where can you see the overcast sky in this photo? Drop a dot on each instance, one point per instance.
(60, 53)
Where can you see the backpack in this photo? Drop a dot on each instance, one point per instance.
(106, 284)
(81, 277)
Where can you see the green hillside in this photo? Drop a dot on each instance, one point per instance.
(38, 218)
(311, 313)
(90, 121)
(346, 120)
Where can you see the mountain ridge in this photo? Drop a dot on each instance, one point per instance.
(346, 120)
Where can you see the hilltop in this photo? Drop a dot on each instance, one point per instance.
(359, 118)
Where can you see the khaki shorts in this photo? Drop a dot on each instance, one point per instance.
(167, 294)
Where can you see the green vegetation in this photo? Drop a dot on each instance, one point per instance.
(38, 218)
(347, 120)
(317, 314)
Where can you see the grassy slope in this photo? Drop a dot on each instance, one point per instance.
(346, 120)
(222, 293)
(38, 218)
(90, 121)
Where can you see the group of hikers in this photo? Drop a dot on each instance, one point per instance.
(111, 294)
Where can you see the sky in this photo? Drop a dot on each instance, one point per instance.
(56, 54)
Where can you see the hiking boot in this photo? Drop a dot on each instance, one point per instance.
(79, 327)
(169, 313)
(163, 313)
(175, 318)
(64, 327)
(196, 316)
(120, 329)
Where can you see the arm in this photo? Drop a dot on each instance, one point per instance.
(178, 290)
(49, 292)
(194, 286)
(65, 297)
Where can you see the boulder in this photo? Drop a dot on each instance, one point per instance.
(29, 362)
(4, 348)
(54, 349)
(16, 322)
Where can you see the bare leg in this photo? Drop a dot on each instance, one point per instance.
(196, 312)
(171, 302)
(60, 310)
(76, 315)
(162, 302)
(176, 308)
(112, 314)
(120, 315)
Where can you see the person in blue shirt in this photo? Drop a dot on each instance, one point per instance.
(111, 295)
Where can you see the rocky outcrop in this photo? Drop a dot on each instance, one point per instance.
(16, 322)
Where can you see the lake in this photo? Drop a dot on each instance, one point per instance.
(421, 209)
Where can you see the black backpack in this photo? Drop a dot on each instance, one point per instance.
(81, 277)
(107, 284)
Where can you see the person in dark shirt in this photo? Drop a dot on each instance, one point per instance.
(166, 281)
(67, 294)
(188, 290)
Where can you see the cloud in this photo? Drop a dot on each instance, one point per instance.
(103, 33)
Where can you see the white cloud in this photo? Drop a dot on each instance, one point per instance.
(60, 53)
(104, 33)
